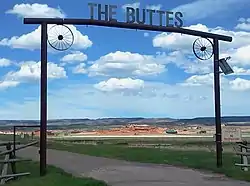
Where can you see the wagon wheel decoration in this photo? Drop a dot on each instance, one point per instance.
(203, 48)
(60, 37)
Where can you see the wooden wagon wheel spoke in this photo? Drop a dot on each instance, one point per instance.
(60, 37)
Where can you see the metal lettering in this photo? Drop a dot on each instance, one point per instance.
(112, 11)
(138, 16)
(179, 22)
(161, 13)
(105, 12)
(168, 24)
(130, 14)
(92, 6)
(150, 16)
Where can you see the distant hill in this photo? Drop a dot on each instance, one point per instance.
(112, 122)
(230, 120)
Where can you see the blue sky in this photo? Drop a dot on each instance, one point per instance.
(123, 73)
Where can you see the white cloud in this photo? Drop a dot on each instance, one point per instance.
(31, 70)
(75, 56)
(8, 83)
(239, 61)
(240, 71)
(244, 20)
(240, 56)
(153, 100)
(240, 84)
(122, 64)
(32, 40)
(80, 69)
(183, 56)
(36, 11)
(133, 5)
(200, 9)
(137, 5)
(201, 80)
(176, 41)
(244, 24)
(114, 84)
(237, 84)
(197, 67)
(188, 62)
(5, 62)
(154, 7)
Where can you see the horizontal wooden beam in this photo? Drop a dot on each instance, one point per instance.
(244, 146)
(242, 165)
(243, 153)
(9, 143)
(126, 26)
(8, 179)
(13, 160)
(18, 148)
(14, 175)
(27, 145)
(26, 126)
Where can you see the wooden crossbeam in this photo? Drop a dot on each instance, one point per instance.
(242, 165)
(244, 146)
(11, 143)
(14, 175)
(18, 148)
(8, 179)
(13, 160)
(243, 153)
(27, 145)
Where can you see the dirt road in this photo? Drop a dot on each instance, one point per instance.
(122, 173)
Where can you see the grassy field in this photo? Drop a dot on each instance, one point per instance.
(55, 177)
(193, 159)
(186, 144)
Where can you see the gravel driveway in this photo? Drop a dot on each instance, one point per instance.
(122, 173)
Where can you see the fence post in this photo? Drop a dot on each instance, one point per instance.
(5, 166)
(244, 157)
(14, 140)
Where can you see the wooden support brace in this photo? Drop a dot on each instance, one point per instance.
(242, 165)
(243, 153)
(18, 148)
(27, 145)
(11, 143)
(14, 175)
(244, 146)
(13, 160)
(4, 170)
(8, 179)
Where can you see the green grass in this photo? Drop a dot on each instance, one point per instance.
(9, 137)
(54, 177)
(193, 159)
